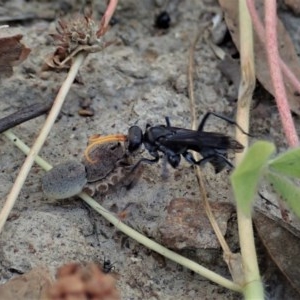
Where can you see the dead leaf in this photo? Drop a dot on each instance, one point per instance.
(286, 49)
(294, 5)
(31, 285)
(231, 69)
(282, 246)
(12, 53)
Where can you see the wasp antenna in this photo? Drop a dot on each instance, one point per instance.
(228, 120)
(93, 138)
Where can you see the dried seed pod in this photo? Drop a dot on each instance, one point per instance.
(83, 282)
(64, 180)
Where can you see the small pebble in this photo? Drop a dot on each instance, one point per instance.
(86, 112)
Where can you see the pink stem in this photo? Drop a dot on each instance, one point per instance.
(276, 75)
(107, 16)
(261, 34)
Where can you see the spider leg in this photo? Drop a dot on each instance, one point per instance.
(146, 160)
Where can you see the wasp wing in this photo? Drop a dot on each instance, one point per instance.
(181, 138)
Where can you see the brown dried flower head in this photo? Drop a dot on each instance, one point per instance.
(78, 34)
(82, 283)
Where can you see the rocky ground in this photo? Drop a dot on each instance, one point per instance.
(141, 78)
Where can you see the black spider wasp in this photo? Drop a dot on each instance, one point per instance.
(175, 141)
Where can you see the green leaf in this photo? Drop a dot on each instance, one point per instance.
(246, 176)
(287, 163)
(287, 189)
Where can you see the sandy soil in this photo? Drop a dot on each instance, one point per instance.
(142, 78)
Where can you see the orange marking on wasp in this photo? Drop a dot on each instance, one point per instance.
(98, 140)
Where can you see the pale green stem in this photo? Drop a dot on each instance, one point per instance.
(253, 288)
(131, 232)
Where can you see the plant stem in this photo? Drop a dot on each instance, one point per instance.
(25, 149)
(131, 232)
(58, 102)
(274, 62)
(276, 75)
(159, 248)
(253, 288)
(23, 115)
(112, 5)
(208, 210)
(261, 35)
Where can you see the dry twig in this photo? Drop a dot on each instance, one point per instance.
(23, 115)
(208, 209)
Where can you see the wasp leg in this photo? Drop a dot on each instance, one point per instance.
(209, 159)
(189, 158)
(172, 157)
(228, 120)
(174, 160)
(168, 121)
